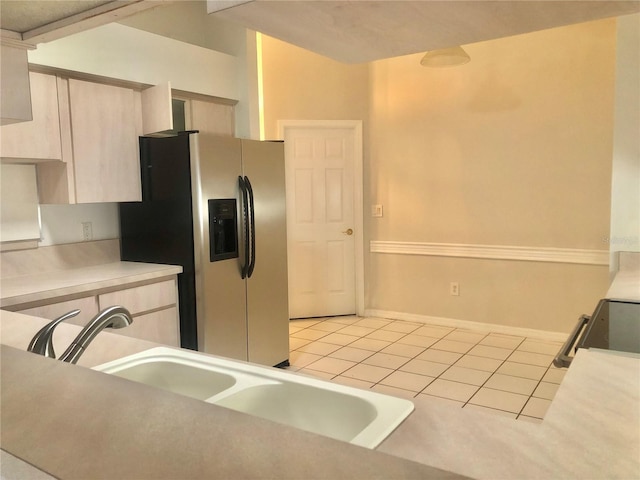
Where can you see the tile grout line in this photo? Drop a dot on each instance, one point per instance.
(424, 349)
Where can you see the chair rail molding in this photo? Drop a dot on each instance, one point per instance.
(493, 252)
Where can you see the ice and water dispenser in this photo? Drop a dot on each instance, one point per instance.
(223, 231)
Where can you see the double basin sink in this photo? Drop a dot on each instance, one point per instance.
(360, 417)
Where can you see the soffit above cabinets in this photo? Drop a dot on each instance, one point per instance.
(364, 31)
(37, 21)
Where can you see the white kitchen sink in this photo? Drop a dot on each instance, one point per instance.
(357, 416)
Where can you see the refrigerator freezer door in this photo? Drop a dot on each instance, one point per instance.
(220, 290)
(267, 288)
(160, 229)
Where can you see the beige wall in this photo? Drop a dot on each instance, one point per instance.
(300, 85)
(513, 148)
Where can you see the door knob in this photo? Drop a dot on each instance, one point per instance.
(348, 231)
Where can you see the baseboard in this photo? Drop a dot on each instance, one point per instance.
(469, 325)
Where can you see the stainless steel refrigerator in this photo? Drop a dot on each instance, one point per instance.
(216, 206)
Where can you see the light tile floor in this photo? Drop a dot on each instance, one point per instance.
(504, 374)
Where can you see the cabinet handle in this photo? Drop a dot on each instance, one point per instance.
(562, 359)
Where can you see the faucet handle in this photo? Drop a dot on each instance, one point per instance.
(42, 342)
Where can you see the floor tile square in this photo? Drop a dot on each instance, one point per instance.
(554, 375)
(402, 327)
(296, 343)
(440, 356)
(309, 334)
(546, 390)
(393, 391)
(319, 348)
(530, 358)
(490, 352)
(301, 359)
(386, 335)
(368, 373)
(339, 338)
(522, 370)
(316, 374)
(465, 336)
(403, 350)
(466, 375)
(534, 346)
(501, 341)
(372, 322)
(508, 383)
(327, 326)
(370, 344)
(424, 367)
(452, 390)
(304, 323)
(418, 340)
(353, 382)
(356, 330)
(454, 403)
(511, 402)
(407, 381)
(536, 407)
(386, 360)
(352, 354)
(330, 365)
(293, 329)
(479, 363)
(452, 346)
(433, 331)
(344, 320)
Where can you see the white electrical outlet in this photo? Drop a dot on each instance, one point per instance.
(87, 231)
(376, 210)
(454, 288)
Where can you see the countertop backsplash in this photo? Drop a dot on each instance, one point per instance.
(58, 257)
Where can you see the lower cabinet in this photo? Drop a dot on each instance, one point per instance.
(153, 307)
(88, 307)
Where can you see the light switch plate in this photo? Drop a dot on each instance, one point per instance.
(376, 210)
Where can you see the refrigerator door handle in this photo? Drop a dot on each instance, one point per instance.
(245, 215)
(252, 214)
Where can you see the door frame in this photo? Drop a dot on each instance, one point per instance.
(358, 188)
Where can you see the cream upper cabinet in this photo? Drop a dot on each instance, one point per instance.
(38, 139)
(210, 117)
(157, 113)
(105, 122)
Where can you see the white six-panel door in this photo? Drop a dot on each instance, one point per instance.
(320, 220)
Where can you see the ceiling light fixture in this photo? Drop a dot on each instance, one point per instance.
(445, 57)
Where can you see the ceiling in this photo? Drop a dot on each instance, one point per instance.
(347, 31)
(363, 31)
(36, 21)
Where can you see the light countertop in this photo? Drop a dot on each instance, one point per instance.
(74, 423)
(61, 283)
(591, 429)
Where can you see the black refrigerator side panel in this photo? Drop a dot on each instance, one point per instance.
(160, 228)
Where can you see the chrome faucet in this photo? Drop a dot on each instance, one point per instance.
(112, 317)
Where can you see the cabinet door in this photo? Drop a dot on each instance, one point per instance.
(157, 113)
(159, 327)
(88, 307)
(215, 118)
(104, 122)
(143, 298)
(38, 139)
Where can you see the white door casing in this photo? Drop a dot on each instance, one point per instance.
(324, 216)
